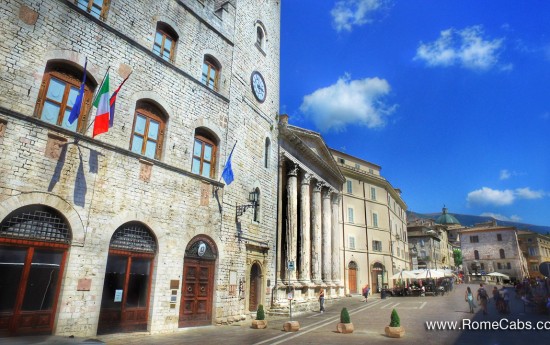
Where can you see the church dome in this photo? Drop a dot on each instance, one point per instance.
(446, 219)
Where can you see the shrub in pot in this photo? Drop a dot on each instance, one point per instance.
(260, 321)
(394, 330)
(345, 325)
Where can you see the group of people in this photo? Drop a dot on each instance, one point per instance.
(502, 302)
(365, 293)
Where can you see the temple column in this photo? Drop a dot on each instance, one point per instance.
(292, 221)
(305, 229)
(316, 233)
(327, 237)
(335, 240)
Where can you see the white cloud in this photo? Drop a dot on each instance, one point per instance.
(527, 193)
(465, 47)
(349, 13)
(505, 174)
(512, 218)
(488, 196)
(349, 102)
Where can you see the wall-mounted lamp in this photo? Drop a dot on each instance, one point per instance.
(253, 199)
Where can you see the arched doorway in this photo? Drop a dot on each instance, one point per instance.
(127, 285)
(378, 272)
(33, 247)
(255, 287)
(352, 277)
(197, 288)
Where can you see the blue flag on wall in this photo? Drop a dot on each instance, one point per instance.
(75, 111)
(227, 173)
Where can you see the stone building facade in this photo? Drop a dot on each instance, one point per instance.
(372, 221)
(536, 249)
(134, 229)
(309, 254)
(488, 247)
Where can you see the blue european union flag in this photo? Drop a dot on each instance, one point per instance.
(227, 173)
(75, 111)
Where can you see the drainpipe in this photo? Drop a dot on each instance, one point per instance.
(369, 273)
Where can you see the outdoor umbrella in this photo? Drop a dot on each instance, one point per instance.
(498, 274)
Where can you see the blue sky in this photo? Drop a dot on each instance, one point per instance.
(451, 98)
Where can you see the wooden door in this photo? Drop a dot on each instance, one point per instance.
(197, 293)
(29, 298)
(352, 280)
(255, 283)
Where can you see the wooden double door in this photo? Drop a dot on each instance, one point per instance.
(197, 292)
(30, 280)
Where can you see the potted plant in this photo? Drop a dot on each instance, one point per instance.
(260, 321)
(345, 325)
(394, 330)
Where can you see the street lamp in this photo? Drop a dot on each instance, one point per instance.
(253, 199)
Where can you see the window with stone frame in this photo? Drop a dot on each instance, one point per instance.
(97, 8)
(58, 91)
(508, 266)
(204, 154)
(499, 266)
(532, 251)
(165, 42)
(375, 220)
(373, 193)
(267, 152)
(148, 130)
(210, 73)
(260, 37)
(377, 246)
(476, 255)
(501, 253)
(350, 215)
(499, 237)
(351, 242)
(349, 186)
(257, 206)
(474, 239)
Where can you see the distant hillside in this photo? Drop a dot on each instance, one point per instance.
(469, 220)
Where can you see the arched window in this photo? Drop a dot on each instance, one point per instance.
(165, 41)
(97, 8)
(267, 152)
(58, 92)
(148, 130)
(204, 154)
(476, 255)
(260, 37)
(210, 72)
(502, 255)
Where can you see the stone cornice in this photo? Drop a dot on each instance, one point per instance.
(308, 154)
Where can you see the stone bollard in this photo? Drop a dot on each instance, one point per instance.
(291, 326)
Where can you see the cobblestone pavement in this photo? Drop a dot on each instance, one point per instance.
(369, 320)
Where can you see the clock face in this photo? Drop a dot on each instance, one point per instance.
(258, 86)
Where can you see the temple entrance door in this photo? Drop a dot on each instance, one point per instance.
(255, 286)
(352, 277)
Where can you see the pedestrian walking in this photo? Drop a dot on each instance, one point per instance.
(469, 297)
(482, 298)
(366, 291)
(322, 300)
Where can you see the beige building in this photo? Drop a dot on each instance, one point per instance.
(134, 229)
(536, 249)
(488, 247)
(373, 226)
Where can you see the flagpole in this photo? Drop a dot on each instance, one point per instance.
(220, 180)
(99, 88)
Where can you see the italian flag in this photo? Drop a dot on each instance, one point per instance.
(101, 124)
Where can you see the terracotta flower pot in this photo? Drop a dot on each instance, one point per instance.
(259, 324)
(394, 332)
(344, 327)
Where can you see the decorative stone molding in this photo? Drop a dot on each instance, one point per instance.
(54, 146)
(28, 15)
(306, 178)
(318, 186)
(145, 170)
(293, 171)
